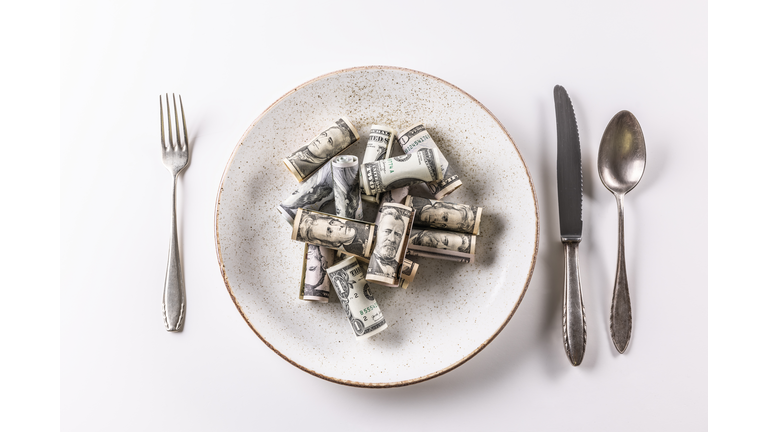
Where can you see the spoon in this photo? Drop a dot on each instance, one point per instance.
(621, 163)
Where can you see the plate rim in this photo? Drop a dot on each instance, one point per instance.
(358, 383)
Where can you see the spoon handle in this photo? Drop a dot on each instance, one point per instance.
(621, 308)
(574, 320)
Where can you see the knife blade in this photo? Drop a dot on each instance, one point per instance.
(569, 197)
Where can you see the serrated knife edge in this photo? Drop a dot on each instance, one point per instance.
(569, 170)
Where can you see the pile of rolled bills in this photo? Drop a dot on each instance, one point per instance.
(344, 251)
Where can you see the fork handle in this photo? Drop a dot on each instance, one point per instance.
(173, 290)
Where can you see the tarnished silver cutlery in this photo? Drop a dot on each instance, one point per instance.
(569, 194)
(175, 154)
(621, 163)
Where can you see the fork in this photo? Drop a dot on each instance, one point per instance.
(175, 158)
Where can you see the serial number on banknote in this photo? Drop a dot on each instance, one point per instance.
(369, 308)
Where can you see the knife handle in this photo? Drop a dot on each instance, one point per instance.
(574, 320)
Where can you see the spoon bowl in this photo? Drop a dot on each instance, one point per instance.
(621, 158)
(621, 164)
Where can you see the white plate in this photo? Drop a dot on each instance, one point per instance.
(451, 311)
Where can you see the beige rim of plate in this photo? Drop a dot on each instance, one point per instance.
(452, 311)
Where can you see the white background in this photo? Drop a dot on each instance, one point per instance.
(121, 371)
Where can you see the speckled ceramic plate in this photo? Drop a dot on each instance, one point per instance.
(451, 311)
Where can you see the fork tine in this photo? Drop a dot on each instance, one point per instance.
(170, 128)
(184, 124)
(162, 126)
(176, 119)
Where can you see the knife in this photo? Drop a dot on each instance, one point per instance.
(569, 192)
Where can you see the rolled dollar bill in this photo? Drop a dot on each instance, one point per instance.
(441, 256)
(379, 147)
(356, 298)
(391, 240)
(396, 172)
(392, 196)
(316, 193)
(334, 232)
(444, 215)
(407, 273)
(315, 282)
(330, 142)
(445, 245)
(415, 138)
(346, 187)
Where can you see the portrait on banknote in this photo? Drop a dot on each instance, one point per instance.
(335, 233)
(316, 282)
(310, 157)
(453, 241)
(444, 215)
(389, 236)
